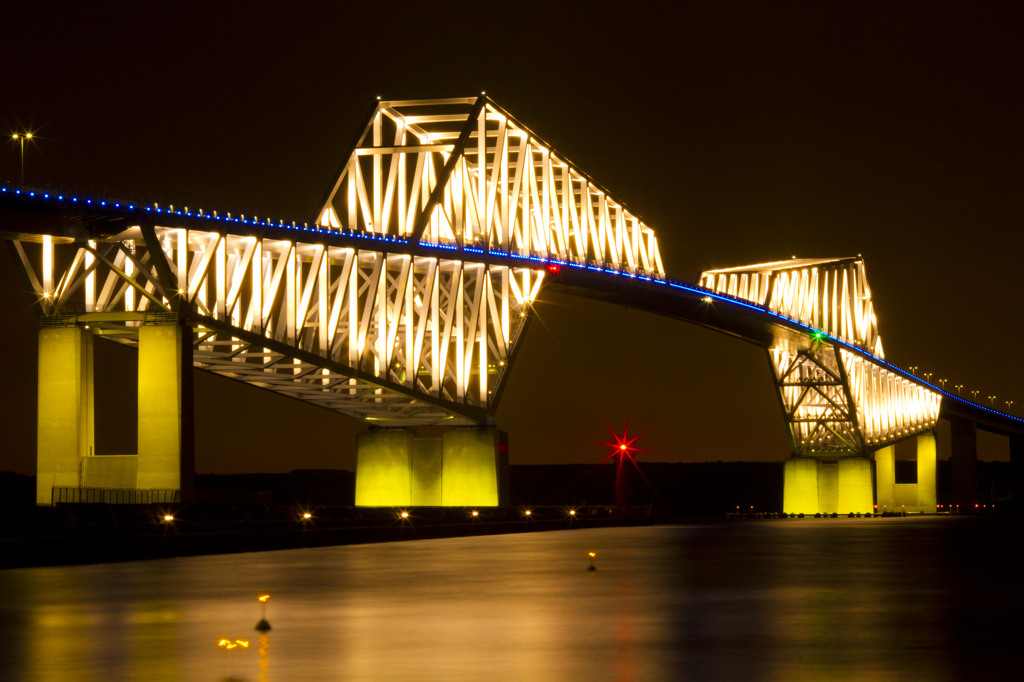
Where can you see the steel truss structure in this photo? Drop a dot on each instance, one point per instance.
(403, 306)
(404, 303)
(380, 336)
(463, 173)
(838, 395)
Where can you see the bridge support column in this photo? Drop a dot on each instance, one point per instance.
(855, 493)
(917, 497)
(65, 456)
(814, 487)
(885, 478)
(964, 446)
(166, 430)
(800, 486)
(927, 461)
(65, 426)
(473, 467)
(383, 468)
(828, 487)
(427, 469)
(465, 467)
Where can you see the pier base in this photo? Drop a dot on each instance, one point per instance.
(919, 497)
(64, 427)
(814, 487)
(65, 456)
(800, 486)
(855, 494)
(165, 409)
(471, 465)
(465, 467)
(383, 469)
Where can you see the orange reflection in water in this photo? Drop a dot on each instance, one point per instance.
(264, 660)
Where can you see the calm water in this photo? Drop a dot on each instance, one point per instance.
(878, 599)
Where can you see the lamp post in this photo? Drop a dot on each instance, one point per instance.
(21, 137)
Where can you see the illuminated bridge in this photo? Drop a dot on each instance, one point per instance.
(403, 305)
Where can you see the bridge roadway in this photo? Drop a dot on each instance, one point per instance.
(28, 213)
(753, 324)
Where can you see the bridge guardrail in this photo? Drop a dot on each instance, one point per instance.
(64, 495)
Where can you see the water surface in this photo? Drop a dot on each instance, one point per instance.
(845, 599)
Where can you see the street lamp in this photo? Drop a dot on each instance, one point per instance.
(958, 388)
(21, 137)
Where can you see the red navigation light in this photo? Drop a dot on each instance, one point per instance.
(623, 446)
(623, 452)
(554, 268)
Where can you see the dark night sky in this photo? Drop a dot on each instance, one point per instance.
(741, 132)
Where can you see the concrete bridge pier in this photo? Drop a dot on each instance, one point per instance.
(919, 497)
(166, 409)
(65, 436)
(463, 467)
(812, 486)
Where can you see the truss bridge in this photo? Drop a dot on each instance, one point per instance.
(403, 303)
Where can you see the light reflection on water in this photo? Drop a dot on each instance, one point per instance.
(847, 599)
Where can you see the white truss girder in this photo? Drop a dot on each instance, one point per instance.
(889, 406)
(834, 400)
(374, 334)
(462, 173)
(416, 324)
(831, 295)
(817, 406)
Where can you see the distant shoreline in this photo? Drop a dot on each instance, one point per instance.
(80, 536)
(260, 512)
